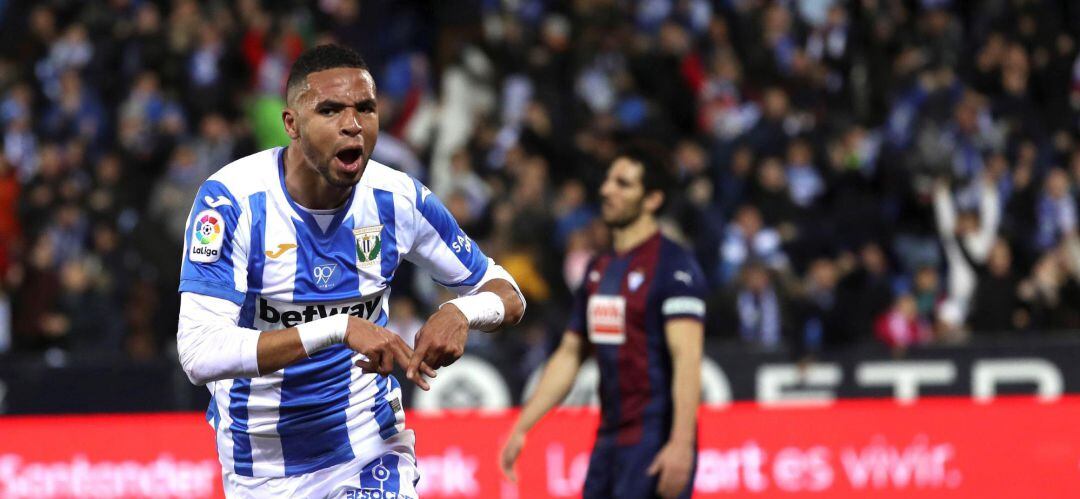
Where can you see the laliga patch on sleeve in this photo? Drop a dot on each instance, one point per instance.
(607, 320)
(208, 232)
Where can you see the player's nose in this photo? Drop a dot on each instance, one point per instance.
(350, 124)
(606, 189)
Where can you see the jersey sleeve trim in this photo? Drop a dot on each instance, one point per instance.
(212, 288)
(684, 305)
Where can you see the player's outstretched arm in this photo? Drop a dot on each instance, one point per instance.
(685, 338)
(555, 383)
(488, 296)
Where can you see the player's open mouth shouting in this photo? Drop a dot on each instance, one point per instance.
(350, 157)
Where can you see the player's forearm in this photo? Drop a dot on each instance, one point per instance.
(686, 391)
(686, 340)
(278, 349)
(555, 383)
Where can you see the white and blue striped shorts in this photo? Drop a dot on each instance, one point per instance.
(390, 476)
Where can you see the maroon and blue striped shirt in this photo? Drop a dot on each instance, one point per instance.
(621, 310)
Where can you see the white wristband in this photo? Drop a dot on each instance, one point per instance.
(484, 311)
(319, 334)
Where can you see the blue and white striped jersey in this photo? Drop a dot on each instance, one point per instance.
(248, 242)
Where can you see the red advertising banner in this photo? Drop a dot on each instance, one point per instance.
(156, 455)
(1012, 447)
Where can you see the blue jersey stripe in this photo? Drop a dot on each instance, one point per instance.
(241, 389)
(256, 256)
(212, 415)
(444, 224)
(256, 259)
(247, 311)
(384, 200)
(311, 423)
(315, 392)
(238, 411)
(325, 268)
(384, 414)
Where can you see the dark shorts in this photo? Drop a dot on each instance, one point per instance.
(621, 471)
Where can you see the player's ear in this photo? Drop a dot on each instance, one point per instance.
(654, 200)
(289, 119)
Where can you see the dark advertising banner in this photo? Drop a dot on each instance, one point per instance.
(983, 372)
(1047, 369)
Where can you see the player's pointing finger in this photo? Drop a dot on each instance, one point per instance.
(417, 358)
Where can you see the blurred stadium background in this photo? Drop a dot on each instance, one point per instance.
(883, 193)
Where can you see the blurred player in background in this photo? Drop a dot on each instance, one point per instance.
(640, 312)
(288, 260)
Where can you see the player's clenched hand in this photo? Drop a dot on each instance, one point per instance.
(510, 451)
(381, 347)
(673, 463)
(440, 342)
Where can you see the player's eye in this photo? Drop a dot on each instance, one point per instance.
(327, 111)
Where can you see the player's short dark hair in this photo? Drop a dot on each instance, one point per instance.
(656, 172)
(321, 58)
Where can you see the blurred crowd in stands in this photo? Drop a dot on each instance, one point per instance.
(850, 172)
